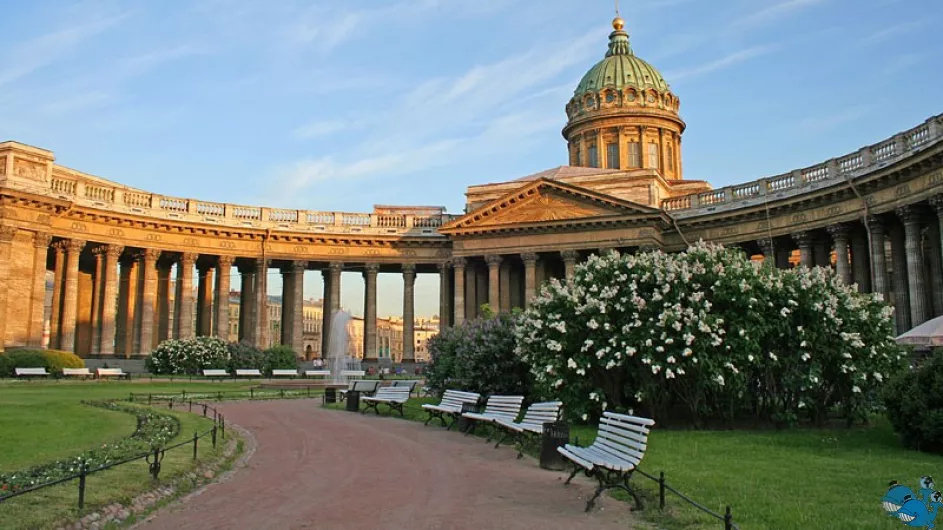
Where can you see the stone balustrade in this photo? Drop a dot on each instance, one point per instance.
(799, 181)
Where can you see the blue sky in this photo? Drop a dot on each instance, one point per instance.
(342, 105)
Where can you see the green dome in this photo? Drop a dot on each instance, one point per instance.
(621, 69)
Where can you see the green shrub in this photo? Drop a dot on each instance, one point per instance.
(11, 360)
(478, 356)
(57, 360)
(914, 401)
(188, 356)
(244, 356)
(280, 358)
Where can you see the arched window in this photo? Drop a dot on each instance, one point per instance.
(653, 155)
(593, 156)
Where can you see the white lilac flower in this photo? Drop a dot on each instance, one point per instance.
(671, 360)
(773, 356)
(570, 363)
(592, 324)
(878, 376)
(669, 374)
(659, 349)
(806, 356)
(719, 380)
(855, 389)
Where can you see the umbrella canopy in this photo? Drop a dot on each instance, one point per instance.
(930, 333)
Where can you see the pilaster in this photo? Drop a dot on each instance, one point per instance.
(58, 282)
(444, 295)
(163, 300)
(901, 285)
(183, 320)
(7, 233)
(263, 331)
(297, 341)
(221, 297)
(98, 287)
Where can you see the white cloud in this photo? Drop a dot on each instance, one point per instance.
(323, 128)
(154, 58)
(719, 64)
(774, 13)
(821, 123)
(891, 31)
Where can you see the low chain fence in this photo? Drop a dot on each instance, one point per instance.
(153, 457)
(254, 393)
(663, 488)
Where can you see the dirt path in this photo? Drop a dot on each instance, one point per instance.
(316, 468)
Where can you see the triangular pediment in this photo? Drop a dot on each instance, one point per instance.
(551, 202)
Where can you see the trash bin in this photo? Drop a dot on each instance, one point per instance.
(464, 423)
(330, 395)
(353, 400)
(554, 435)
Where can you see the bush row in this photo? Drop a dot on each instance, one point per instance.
(192, 356)
(52, 360)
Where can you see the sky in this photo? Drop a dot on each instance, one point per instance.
(339, 105)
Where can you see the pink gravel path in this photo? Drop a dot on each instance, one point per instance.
(317, 468)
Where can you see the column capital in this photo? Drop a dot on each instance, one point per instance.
(909, 214)
(41, 240)
(371, 268)
(875, 224)
(529, 258)
(937, 203)
(803, 238)
(225, 261)
(443, 266)
(839, 231)
(570, 255)
(458, 262)
(151, 255)
(336, 266)
(60, 246)
(99, 252)
(7, 233)
(493, 260)
(299, 266)
(262, 263)
(188, 259)
(75, 245)
(409, 268)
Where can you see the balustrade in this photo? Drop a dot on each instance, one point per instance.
(98, 193)
(64, 187)
(210, 208)
(391, 221)
(139, 200)
(355, 219)
(172, 204)
(247, 213)
(815, 174)
(283, 216)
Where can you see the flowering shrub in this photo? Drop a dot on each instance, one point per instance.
(710, 334)
(478, 356)
(188, 356)
(914, 401)
(155, 429)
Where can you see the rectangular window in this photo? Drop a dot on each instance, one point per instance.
(671, 158)
(579, 157)
(635, 155)
(593, 156)
(612, 156)
(653, 155)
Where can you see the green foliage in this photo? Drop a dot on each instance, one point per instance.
(478, 356)
(244, 356)
(57, 360)
(914, 401)
(707, 335)
(188, 356)
(280, 358)
(11, 360)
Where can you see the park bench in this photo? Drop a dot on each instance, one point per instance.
(76, 372)
(317, 373)
(497, 407)
(410, 384)
(531, 425)
(349, 374)
(392, 396)
(31, 372)
(451, 405)
(285, 373)
(111, 372)
(365, 386)
(613, 456)
(215, 373)
(244, 372)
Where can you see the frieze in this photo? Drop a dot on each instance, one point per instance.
(115, 232)
(935, 179)
(227, 244)
(79, 227)
(191, 241)
(903, 189)
(337, 251)
(153, 237)
(29, 170)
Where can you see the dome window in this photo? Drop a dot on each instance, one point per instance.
(610, 97)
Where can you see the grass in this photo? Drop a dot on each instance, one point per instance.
(40, 422)
(810, 479)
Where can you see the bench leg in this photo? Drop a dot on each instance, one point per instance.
(592, 500)
(396, 406)
(628, 489)
(576, 469)
(503, 438)
(368, 406)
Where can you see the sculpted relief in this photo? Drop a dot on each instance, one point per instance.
(29, 169)
(544, 208)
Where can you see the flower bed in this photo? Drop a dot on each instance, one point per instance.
(154, 429)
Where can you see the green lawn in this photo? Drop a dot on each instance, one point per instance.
(774, 480)
(40, 422)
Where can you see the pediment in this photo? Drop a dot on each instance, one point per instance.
(547, 202)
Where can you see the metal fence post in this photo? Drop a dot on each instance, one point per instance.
(251, 393)
(83, 471)
(191, 406)
(728, 520)
(196, 439)
(213, 436)
(131, 397)
(149, 397)
(204, 410)
(281, 393)
(171, 404)
(661, 490)
(308, 391)
(219, 396)
(222, 426)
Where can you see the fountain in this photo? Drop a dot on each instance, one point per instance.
(338, 361)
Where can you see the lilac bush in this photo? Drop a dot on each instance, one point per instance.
(188, 356)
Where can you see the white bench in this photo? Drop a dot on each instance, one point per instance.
(352, 373)
(498, 407)
(243, 372)
(31, 372)
(450, 405)
(364, 386)
(215, 373)
(76, 372)
(111, 372)
(285, 373)
(531, 425)
(317, 373)
(410, 384)
(392, 396)
(615, 454)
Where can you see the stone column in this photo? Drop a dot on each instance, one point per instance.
(110, 300)
(444, 295)
(183, 320)
(204, 315)
(915, 273)
(505, 274)
(901, 287)
(935, 269)
(70, 294)
(860, 269)
(458, 268)
(149, 300)
(841, 235)
(263, 332)
(38, 289)
(288, 304)
(494, 282)
(221, 297)
(937, 203)
(570, 257)
(135, 340)
(246, 319)
(336, 268)
(98, 286)
(163, 300)
(878, 265)
(55, 332)
(804, 240)
(370, 312)
(822, 252)
(127, 303)
(766, 247)
(332, 301)
(782, 257)
(296, 337)
(530, 277)
(7, 234)
(325, 312)
(471, 291)
(409, 319)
